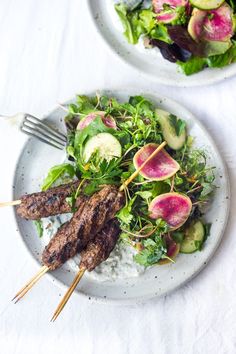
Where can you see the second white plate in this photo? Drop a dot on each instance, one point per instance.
(148, 62)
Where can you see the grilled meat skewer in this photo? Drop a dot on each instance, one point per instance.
(51, 202)
(73, 236)
(94, 254)
(100, 248)
(91, 217)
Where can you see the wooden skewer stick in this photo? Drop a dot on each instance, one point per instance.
(14, 202)
(82, 271)
(68, 294)
(135, 174)
(30, 284)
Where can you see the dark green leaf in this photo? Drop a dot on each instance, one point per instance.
(39, 227)
(57, 172)
(178, 124)
(177, 236)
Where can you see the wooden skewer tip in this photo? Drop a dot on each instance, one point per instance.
(68, 294)
(30, 284)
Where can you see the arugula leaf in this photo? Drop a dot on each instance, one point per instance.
(178, 124)
(84, 104)
(57, 172)
(198, 245)
(146, 195)
(207, 189)
(91, 188)
(207, 228)
(39, 227)
(125, 214)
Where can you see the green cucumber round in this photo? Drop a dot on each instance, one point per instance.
(105, 144)
(194, 237)
(207, 4)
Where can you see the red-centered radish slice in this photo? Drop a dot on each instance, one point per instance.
(166, 16)
(212, 25)
(158, 5)
(172, 207)
(173, 249)
(107, 120)
(159, 168)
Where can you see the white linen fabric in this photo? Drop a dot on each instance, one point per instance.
(49, 51)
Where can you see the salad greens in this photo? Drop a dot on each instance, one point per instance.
(137, 124)
(193, 38)
(56, 172)
(39, 227)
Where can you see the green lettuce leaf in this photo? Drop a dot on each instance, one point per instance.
(194, 64)
(133, 27)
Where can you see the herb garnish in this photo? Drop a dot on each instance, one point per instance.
(39, 227)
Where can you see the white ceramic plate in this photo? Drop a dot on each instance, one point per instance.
(148, 62)
(36, 158)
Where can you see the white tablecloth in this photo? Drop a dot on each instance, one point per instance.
(48, 52)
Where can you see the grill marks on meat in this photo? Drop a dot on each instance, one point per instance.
(52, 202)
(99, 250)
(89, 219)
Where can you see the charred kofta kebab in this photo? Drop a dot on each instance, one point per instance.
(92, 228)
(72, 237)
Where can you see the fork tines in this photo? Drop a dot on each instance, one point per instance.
(35, 127)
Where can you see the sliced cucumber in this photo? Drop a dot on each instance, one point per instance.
(217, 47)
(105, 144)
(174, 141)
(207, 4)
(194, 237)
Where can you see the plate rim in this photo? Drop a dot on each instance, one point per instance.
(221, 76)
(141, 299)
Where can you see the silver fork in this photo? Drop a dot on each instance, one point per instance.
(35, 127)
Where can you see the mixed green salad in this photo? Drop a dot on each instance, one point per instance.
(192, 33)
(108, 140)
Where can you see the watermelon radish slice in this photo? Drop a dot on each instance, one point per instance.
(172, 207)
(167, 15)
(173, 249)
(107, 120)
(213, 25)
(158, 5)
(159, 168)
